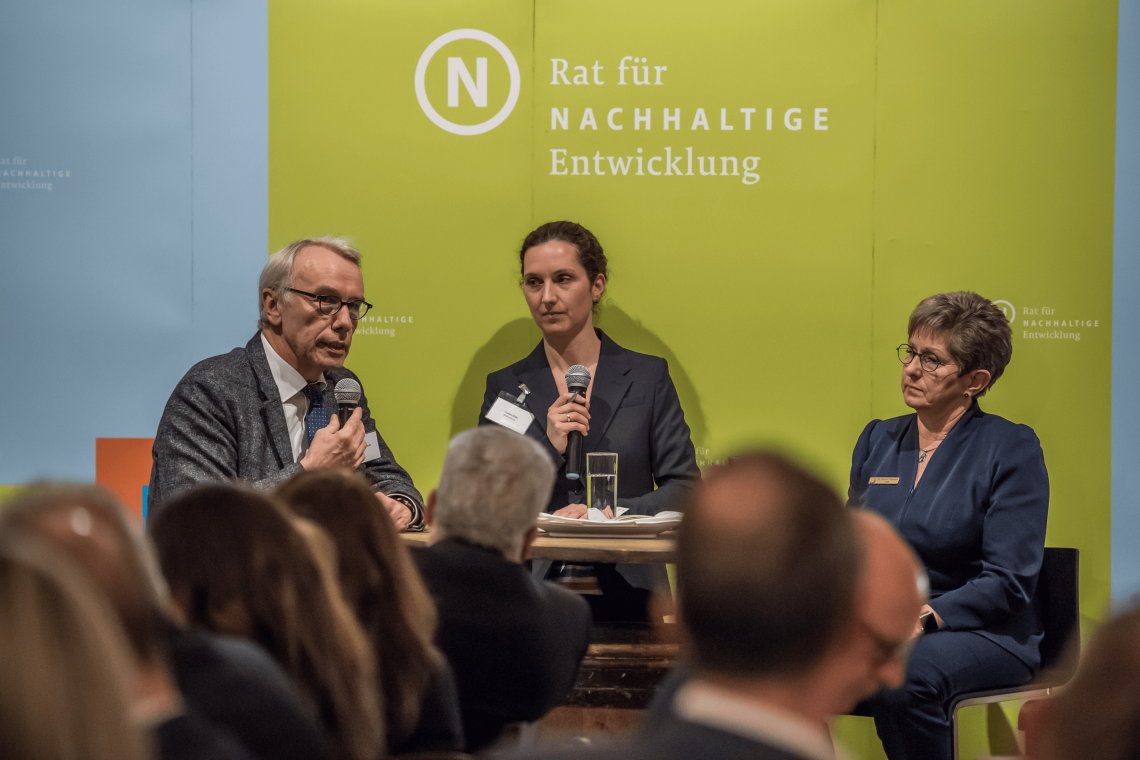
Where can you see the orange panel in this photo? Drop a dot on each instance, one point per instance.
(122, 465)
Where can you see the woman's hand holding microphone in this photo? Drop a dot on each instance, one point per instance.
(569, 413)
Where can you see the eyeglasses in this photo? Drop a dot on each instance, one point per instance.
(330, 305)
(929, 361)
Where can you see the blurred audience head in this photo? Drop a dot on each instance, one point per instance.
(238, 565)
(494, 484)
(379, 582)
(1097, 714)
(64, 663)
(767, 564)
(90, 527)
(891, 590)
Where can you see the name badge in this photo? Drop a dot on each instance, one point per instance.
(512, 417)
(373, 446)
(883, 481)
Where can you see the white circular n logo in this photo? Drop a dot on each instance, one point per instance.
(457, 72)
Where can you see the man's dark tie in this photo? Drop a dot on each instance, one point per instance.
(317, 417)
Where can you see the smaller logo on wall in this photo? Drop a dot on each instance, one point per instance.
(459, 73)
(17, 174)
(385, 326)
(1006, 309)
(1049, 323)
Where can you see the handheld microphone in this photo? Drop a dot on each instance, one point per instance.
(347, 394)
(577, 381)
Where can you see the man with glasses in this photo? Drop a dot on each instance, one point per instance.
(873, 630)
(892, 589)
(265, 412)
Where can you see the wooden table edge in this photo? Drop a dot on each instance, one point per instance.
(626, 550)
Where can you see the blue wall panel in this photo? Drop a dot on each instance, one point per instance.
(231, 171)
(1126, 312)
(156, 115)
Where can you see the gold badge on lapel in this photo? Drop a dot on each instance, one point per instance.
(883, 481)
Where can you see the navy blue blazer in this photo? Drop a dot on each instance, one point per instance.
(634, 411)
(977, 519)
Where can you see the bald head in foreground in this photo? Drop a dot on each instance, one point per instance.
(794, 609)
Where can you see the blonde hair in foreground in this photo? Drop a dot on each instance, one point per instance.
(64, 664)
(111, 552)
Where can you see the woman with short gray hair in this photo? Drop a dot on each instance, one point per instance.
(970, 492)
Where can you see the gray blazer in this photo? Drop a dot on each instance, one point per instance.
(225, 421)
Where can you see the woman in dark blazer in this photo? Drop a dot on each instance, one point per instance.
(970, 492)
(631, 406)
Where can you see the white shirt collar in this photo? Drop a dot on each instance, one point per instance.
(289, 381)
(702, 702)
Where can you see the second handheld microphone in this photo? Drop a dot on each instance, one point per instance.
(577, 381)
(347, 393)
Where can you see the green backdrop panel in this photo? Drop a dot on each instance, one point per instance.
(436, 214)
(867, 154)
(755, 288)
(999, 180)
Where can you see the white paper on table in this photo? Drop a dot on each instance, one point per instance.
(664, 516)
(597, 515)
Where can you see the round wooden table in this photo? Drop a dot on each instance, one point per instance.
(625, 661)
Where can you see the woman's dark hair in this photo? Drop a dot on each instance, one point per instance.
(236, 564)
(379, 582)
(589, 250)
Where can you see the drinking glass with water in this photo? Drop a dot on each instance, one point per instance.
(601, 481)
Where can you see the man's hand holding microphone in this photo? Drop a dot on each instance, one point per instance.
(342, 447)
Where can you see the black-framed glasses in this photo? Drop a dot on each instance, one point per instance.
(929, 361)
(330, 305)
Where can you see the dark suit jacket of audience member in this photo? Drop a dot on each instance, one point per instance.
(660, 708)
(515, 643)
(189, 736)
(977, 519)
(634, 412)
(676, 739)
(225, 420)
(240, 688)
(440, 727)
